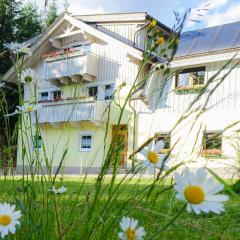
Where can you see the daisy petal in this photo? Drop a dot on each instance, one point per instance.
(217, 198)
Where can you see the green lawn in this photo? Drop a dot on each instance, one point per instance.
(79, 218)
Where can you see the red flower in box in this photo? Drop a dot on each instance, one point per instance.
(214, 151)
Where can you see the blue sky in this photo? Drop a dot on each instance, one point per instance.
(219, 11)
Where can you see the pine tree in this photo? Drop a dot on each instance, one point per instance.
(9, 10)
(28, 22)
(51, 14)
(18, 23)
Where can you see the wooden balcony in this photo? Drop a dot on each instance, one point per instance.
(72, 111)
(71, 68)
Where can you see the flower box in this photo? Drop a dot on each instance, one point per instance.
(211, 152)
(62, 54)
(189, 89)
(164, 151)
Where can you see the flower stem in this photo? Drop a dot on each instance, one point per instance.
(169, 223)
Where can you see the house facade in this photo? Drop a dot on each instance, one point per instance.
(203, 128)
(84, 67)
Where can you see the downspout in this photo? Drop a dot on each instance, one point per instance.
(145, 25)
(134, 129)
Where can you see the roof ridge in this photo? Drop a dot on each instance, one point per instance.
(220, 25)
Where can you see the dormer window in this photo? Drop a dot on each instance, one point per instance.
(190, 79)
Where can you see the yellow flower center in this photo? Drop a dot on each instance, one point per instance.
(5, 220)
(130, 234)
(29, 108)
(152, 157)
(194, 194)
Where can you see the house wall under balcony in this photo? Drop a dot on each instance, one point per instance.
(58, 138)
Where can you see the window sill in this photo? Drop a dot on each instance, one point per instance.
(84, 150)
(189, 89)
(212, 153)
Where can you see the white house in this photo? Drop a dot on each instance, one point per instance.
(82, 62)
(210, 134)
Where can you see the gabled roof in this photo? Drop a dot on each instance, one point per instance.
(207, 40)
(82, 25)
(113, 17)
(105, 37)
(120, 18)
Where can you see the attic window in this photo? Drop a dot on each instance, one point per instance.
(190, 77)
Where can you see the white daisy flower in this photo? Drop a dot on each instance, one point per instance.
(130, 230)
(18, 48)
(58, 190)
(153, 158)
(9, 218)
(199, 191)
(24, 109)
(28, 75)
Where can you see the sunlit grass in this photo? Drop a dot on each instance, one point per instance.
(153, 213)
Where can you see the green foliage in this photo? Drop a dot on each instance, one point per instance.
(236, 186)
(92, 209)
(19, 22)
(9, 10)
(51, 14)
(29, 24)
(39, 213)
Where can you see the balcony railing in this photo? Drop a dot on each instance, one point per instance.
(72, 111)
(71, 68)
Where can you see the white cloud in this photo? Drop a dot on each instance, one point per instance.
(78, 8)
(231, 14)
(203, 10)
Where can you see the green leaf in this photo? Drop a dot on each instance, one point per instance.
(226, 186)
(20, 205)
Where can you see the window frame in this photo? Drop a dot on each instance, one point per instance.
(112, 96)
(50, 94)
(40, 96)
(82, 134)
(95, 86)
(215, 151)
(163, 135)
(36, 142)
(217, 134)
(189, 70)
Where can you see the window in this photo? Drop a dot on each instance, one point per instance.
(56, 95)
(166, 138)
(212, 140)
(85, 142)
(43, 96)
(212, 143)
(190, 77)
(93, 92)
(109, 91)
(37, 141)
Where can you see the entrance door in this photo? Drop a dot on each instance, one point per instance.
(121, 143)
